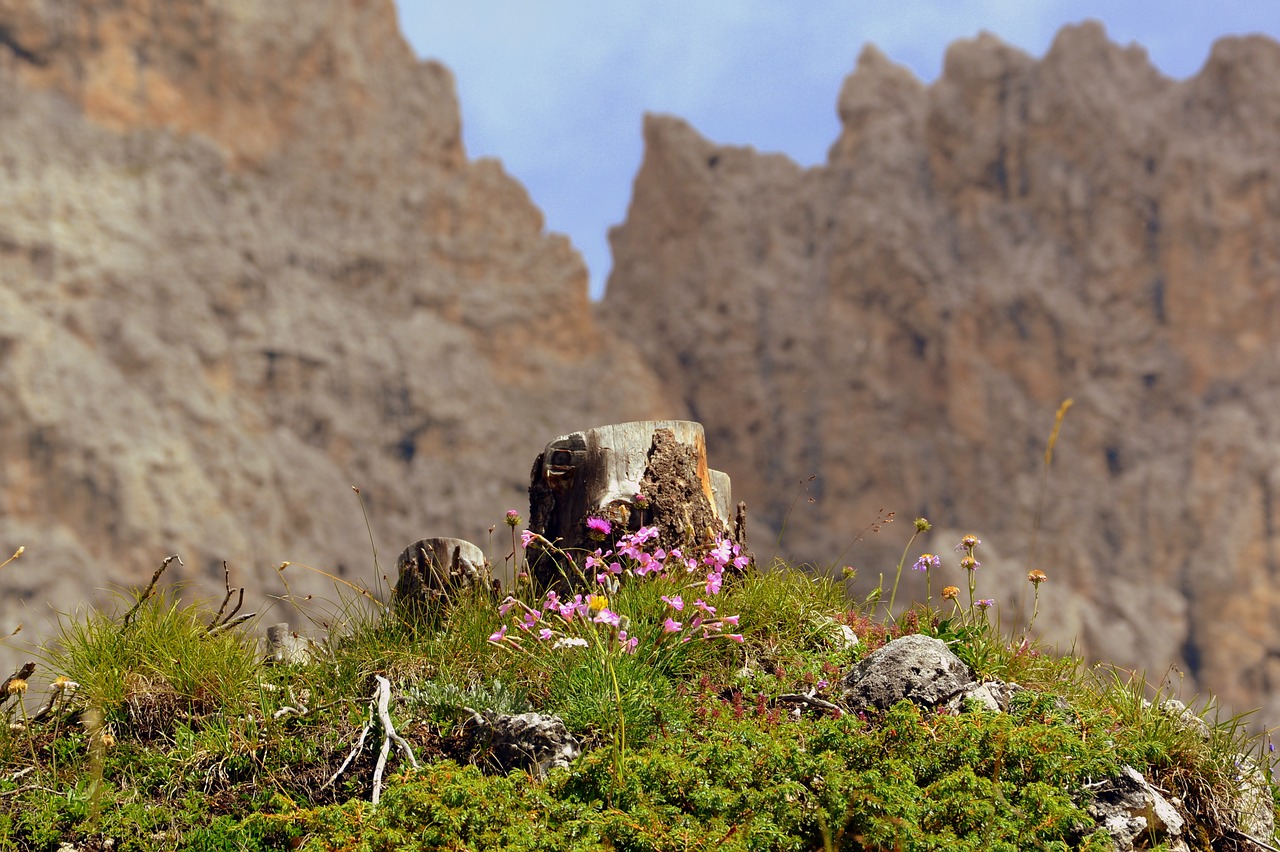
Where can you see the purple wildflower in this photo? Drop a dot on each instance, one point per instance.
(598, 528)
(927, 561)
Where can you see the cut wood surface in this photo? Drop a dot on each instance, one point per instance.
(432, 572)
(597, 473)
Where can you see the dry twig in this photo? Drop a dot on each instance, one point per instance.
(149, 591)
(220, 623)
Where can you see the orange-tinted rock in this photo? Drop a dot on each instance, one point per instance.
(245, 265)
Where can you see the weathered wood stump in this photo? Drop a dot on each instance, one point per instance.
(597, 473)
(434, 572)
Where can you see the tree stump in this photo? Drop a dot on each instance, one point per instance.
(597, 473)
(434, 572)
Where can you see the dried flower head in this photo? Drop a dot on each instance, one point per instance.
(107, 739)
(1037, 577)
(848, 572)
(970, 564)
(513, 518)
(17, 686)
(951, 593)
(923, 525)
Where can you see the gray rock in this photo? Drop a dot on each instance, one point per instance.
(918, 668)
(992, 695)
(528, 741)
(1252, 806)
(1136, 814)
(284, 647)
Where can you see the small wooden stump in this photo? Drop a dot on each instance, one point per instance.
(434, 572)
(598, 473)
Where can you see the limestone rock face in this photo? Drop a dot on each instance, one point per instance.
(904, 320)
(246, 264)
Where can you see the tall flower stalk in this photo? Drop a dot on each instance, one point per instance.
(922, 526)
(969, 563)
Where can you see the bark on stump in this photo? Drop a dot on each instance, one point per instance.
(598, 472)
(434, 572)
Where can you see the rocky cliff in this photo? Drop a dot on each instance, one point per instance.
(246, 264)
(904, 320)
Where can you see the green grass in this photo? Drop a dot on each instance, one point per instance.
(181, 738)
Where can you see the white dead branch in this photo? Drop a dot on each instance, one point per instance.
(379, 705)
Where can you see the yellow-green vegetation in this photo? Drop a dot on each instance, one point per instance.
(678, 676)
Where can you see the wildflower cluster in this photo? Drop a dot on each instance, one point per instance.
(588, 618)
(561, 623)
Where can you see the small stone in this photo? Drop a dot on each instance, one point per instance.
(918, 668)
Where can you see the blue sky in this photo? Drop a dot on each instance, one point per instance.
(556, 89)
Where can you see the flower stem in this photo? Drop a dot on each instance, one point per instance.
(903, 561)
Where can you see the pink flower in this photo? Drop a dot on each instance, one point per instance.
(721, 553)
(737, 637)
(647, 565)
(644, 534)
(506, 605)
(671, 626)
(607, 616)
(714, 580)
(526, 537)
(702, 605)
(598, 528)
(513, 518)
(731, 620)
(675, 602)
(499, 634)
(545, 633)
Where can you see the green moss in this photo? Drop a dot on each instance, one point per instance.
(208, 754)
